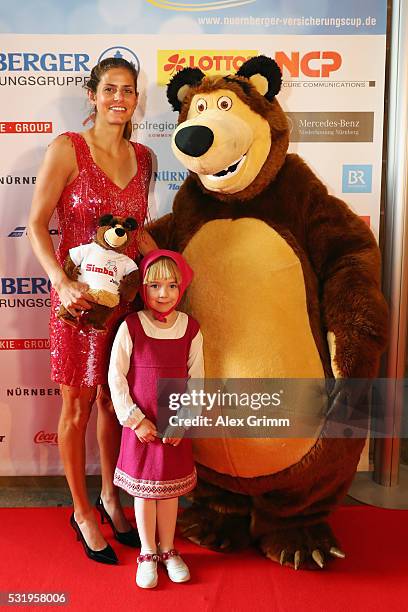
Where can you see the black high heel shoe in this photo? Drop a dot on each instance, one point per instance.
(129, 538)
(106, 555)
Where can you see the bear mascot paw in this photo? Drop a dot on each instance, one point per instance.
(286, 286)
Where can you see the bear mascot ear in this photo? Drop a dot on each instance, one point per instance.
(264, 73)
(179, 86)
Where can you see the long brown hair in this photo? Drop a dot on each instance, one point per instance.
(99, 70)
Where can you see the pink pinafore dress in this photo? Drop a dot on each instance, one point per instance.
(80, 357)
(155, 470)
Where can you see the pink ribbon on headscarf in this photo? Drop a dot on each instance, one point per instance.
(185, 272)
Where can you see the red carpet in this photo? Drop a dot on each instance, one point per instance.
(39, 553)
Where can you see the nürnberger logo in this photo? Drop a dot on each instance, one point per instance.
(26, 127)
(209, 61)
(173, 178)
(24, 285)
(15, 289)
(15, 179)
(24, 344)
(123, 53)
(33, 392)
(41, 437)
(47, 62)
(30, 69)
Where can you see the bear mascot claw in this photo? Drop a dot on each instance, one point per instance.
(287, 286)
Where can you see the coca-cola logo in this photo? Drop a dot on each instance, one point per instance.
(41, 437)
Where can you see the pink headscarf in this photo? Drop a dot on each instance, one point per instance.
(185, 271)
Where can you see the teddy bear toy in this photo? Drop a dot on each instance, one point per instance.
(110, 274)
(286, 286)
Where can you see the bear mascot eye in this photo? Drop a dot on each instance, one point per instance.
(224, 103)
(201, 105)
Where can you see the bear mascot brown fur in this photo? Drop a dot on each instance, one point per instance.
(111, 275)
(287, 286)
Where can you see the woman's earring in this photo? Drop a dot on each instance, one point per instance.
(90, 117)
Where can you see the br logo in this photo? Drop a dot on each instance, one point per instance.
(357, 178)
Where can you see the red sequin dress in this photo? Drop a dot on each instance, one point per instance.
(80, 356)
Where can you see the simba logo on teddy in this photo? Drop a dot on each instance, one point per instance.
(109, 269)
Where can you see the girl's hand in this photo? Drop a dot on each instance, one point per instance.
(73, 296)
(172, 441)
(146, 431)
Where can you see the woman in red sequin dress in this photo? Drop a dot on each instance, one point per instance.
(84, 176)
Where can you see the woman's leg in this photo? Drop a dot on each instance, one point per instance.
(109, 434)
(166, 522)
(76, 409)
(145, 513)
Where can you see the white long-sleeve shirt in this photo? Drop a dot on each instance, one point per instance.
(128, 413)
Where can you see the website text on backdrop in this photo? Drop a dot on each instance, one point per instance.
(310, 308)
(156, 468)
(84, 176)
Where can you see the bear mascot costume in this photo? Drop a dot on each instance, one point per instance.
(286, 286)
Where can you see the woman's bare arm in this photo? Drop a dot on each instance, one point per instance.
(58, 168)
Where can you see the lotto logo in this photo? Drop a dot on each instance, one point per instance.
(357, 178)
(209, 61)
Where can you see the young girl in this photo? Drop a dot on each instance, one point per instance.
(158, 342)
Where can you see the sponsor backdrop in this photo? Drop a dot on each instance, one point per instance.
(332, 58)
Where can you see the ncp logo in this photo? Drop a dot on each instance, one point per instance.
(209, 61)
(123, 53)
(211, 5)
(314, 64)
(357, 178)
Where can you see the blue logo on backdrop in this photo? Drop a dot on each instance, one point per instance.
(21, 285)
(21, 230)
(357, 178)
(48, 62)
(122, 52)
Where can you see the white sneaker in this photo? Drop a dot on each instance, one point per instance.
(146, 575)
(176, 568)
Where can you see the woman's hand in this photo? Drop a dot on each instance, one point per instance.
(172, 441)
(146, 431)
(73, 296)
